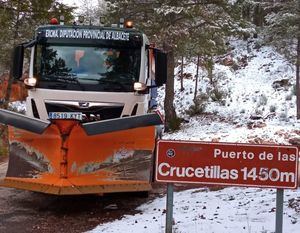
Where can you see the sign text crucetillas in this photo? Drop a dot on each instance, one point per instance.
(238, 164)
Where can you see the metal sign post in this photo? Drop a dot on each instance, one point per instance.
(279, 210)
(169, 214)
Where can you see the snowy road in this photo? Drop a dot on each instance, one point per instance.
(23, 211)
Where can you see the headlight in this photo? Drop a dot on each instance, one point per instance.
(30, 82)
(137, 86)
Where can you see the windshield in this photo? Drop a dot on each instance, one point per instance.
(89, 68)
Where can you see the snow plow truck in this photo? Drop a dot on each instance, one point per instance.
(89, 125)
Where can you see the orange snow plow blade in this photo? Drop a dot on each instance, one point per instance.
(64, 160)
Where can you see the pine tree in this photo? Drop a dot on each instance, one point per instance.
(283, 31)
(92, 10)
(19, 19)
(170, 24)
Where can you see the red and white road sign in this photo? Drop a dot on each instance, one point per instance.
(227, 164)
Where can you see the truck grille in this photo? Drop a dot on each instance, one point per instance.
(92, 111)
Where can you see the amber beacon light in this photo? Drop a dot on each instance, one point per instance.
(129, 24)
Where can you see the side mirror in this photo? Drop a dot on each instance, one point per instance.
(17, 62)
(161, 67)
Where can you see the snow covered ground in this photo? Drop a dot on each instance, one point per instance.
(230, 210)
(258, 108)
(249, 92)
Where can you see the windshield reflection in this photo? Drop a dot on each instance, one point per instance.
(89, 68)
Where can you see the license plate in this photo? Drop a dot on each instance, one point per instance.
(65, 115)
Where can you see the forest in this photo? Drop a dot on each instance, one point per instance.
(229, 112)
(195, 30)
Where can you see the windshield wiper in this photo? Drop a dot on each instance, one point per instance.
(64, 79)
(57, 86)
(111, 84)
(120, 83)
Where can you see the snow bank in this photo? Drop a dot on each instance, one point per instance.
(230, 210)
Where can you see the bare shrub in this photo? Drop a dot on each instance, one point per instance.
(217, 95)
(199, 105)
(262, 100)
(288, 97)
(272, 108)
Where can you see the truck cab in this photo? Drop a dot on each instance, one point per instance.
(90, 73)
